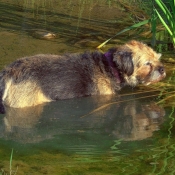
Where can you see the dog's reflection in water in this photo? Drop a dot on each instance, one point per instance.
(22, 117)
(131, 120)
(138, 121)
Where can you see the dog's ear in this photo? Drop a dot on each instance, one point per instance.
(123, 61)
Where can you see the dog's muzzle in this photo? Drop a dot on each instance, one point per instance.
(157, 75)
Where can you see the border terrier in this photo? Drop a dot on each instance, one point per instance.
(43, 78)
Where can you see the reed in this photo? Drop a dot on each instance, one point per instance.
(166, 14)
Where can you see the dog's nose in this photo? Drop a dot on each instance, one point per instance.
(161, 70)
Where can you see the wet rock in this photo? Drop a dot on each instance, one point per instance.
(43, 34)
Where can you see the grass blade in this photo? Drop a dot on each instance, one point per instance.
(172, 4)
(101, 45)
(165, 10)
(164, 23)
(125, 30)
(11, 157)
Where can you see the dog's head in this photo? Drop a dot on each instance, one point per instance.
(138, 63)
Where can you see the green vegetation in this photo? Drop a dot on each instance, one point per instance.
(11, 172)
(165, 12)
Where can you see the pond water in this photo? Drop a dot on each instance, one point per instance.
(130, 133)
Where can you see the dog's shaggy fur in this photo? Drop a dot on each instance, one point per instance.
(34, 80)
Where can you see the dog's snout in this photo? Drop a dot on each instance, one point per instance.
(161, 70)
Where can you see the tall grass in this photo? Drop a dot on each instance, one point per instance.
(166, 14)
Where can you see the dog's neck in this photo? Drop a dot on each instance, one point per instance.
(109, 58)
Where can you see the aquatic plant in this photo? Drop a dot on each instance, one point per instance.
(11, 172)
(163, 11)
(166, 14)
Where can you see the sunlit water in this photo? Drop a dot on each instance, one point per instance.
(130, 133)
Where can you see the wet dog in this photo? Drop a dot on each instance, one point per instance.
(37, 79)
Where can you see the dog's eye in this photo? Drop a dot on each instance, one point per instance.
(148, 63)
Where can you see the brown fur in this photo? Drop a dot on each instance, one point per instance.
(34, 80)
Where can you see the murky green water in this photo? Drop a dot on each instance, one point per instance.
(106, 135)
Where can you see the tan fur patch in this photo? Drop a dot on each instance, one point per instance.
(142, 53)
(23, 94)
(143, 71)
(104, 86)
